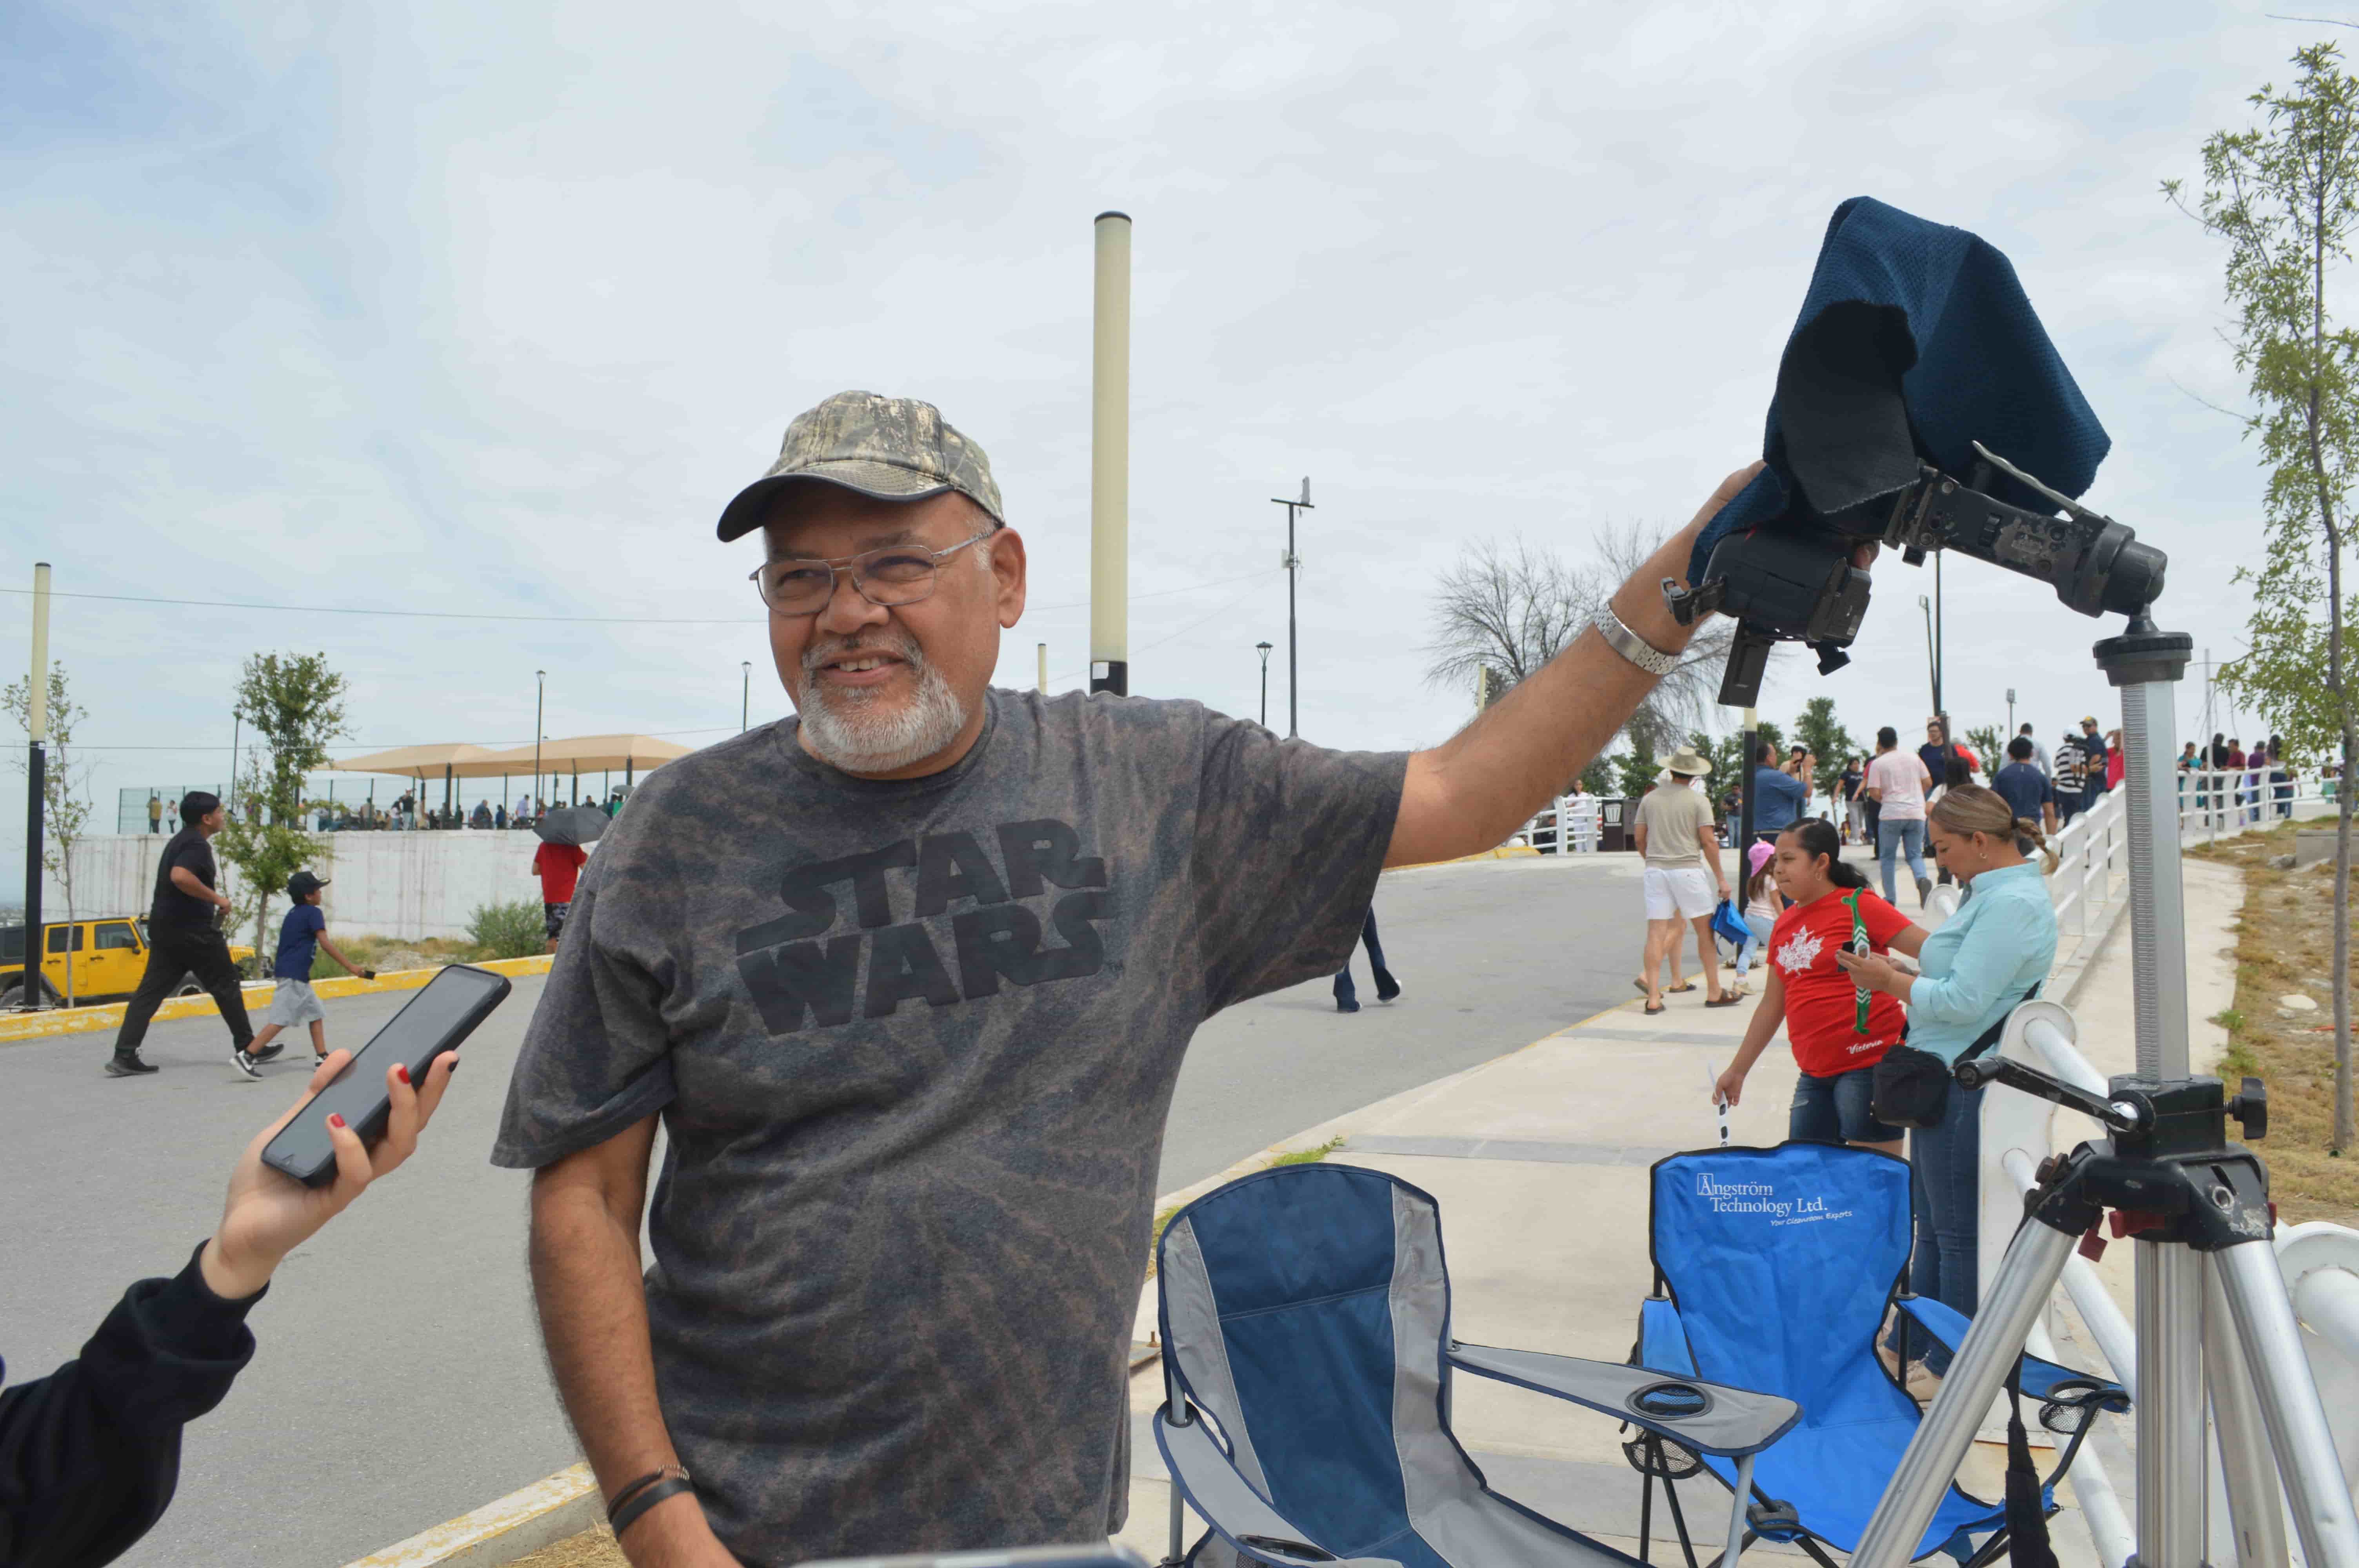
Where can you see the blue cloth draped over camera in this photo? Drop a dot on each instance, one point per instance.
(1913, 334)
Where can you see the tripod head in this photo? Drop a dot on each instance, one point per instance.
(2168, 1167)
(1797, 582)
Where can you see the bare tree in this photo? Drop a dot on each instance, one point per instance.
(1512, 609)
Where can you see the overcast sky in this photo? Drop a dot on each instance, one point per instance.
(463, 308)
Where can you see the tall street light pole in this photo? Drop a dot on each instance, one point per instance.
(1293, 565)
(37, 727)
(539, 707)
(1933, 658)
(1109, 458)
(745, 696)
(1263, 648)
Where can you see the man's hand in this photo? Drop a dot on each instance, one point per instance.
(268, 1214)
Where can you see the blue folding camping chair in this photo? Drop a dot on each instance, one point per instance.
(1774, 1267)
(1306, 1316)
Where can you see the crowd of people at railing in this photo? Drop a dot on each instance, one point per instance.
(405, 814)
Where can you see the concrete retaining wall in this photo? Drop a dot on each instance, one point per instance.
(405, 885)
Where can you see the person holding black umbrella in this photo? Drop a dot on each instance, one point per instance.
(557, 862)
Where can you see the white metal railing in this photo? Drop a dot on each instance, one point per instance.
(2092, 855)
(2216, 801)
(1568, 825)
(2320, 1261)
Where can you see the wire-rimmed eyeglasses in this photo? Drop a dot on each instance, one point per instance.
(893, 575)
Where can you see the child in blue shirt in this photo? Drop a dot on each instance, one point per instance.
(294, 1002)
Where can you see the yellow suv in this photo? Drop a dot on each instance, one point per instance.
(108, 955)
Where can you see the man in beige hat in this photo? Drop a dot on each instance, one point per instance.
(908, 976)
(1677, 843)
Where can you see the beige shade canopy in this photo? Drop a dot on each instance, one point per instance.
(462, 760)
(589, 754)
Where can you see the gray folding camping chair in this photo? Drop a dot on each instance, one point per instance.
(1305, 1315)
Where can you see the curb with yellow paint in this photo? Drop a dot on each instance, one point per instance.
(19, 1027)
(547, 1512)
(1503, 853)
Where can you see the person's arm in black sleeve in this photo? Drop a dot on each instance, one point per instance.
(90, 1454)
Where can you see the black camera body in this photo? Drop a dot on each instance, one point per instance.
(1796, 581)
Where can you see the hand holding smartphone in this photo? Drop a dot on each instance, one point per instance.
(431, 1024)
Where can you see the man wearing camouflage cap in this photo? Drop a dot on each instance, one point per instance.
(909, 977)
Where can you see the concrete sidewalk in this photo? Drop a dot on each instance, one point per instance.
(1538, 1160)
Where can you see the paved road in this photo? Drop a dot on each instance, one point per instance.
(399, 1380)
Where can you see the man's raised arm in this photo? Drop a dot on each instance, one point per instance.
(594, 1319)
(1468, 794)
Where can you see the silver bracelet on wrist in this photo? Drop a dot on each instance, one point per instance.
(1630, 646)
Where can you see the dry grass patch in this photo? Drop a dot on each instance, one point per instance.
(2285, 948)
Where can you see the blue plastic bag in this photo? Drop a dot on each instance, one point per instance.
(1729, 925)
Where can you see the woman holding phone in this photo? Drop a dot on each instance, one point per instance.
(1838, 1031)
(1983, 961)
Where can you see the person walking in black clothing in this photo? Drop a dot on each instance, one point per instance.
(1347, 996)
(182, 939)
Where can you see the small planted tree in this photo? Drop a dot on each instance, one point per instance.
(295, 705)
(2284, 195)
(1818, 728)
(65, 803)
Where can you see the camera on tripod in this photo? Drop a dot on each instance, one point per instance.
(1852, 471)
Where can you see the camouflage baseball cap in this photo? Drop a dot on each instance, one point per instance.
(895, 448)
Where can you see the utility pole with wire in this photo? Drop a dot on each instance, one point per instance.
(1293, 565)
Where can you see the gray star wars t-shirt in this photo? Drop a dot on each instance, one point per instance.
(914, 1042)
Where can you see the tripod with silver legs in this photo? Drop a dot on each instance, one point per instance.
(2212, 1308)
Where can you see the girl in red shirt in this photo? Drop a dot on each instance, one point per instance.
(1839, 1031)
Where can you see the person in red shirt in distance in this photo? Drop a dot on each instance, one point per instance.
(558, 867)
(1837, 1032)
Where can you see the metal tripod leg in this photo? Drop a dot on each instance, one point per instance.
(2255, 1521)
(2170, 1411)
(2026, 1279)
(2322, 1516)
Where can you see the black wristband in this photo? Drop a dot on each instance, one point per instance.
(622, 1519)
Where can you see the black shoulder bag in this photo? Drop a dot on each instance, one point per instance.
(1912, 1087)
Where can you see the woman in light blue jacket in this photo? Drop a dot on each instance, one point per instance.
(1982, 962)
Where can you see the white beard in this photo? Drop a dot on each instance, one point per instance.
(843, 728)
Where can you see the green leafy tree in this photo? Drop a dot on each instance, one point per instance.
(1984, 742)
(295, 705)
(65, 799)
(1818, 728)
(1636, 768)
(1597, 778)
(2284, 195)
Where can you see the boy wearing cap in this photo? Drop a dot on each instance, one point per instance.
(294, 1002)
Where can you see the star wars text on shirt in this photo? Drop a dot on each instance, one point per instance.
(859, 941)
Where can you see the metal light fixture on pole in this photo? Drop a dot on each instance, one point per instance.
(1041, 681)
(1263, 648)
(36, 729)
(1110, 460)
(745, 696)
(1932, 656)
(539, 706)
(1293, 565)
(2010, 716)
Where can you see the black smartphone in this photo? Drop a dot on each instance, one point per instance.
(435, 1021)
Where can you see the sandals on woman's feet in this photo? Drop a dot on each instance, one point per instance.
(1727, 998)
(1653, 1008)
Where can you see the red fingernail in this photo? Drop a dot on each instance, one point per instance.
(403, 1069)
(334, 1119)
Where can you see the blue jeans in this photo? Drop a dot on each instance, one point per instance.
(1837, 1110)
(1907, 839)
(1945, 1160)
(1760, 925)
